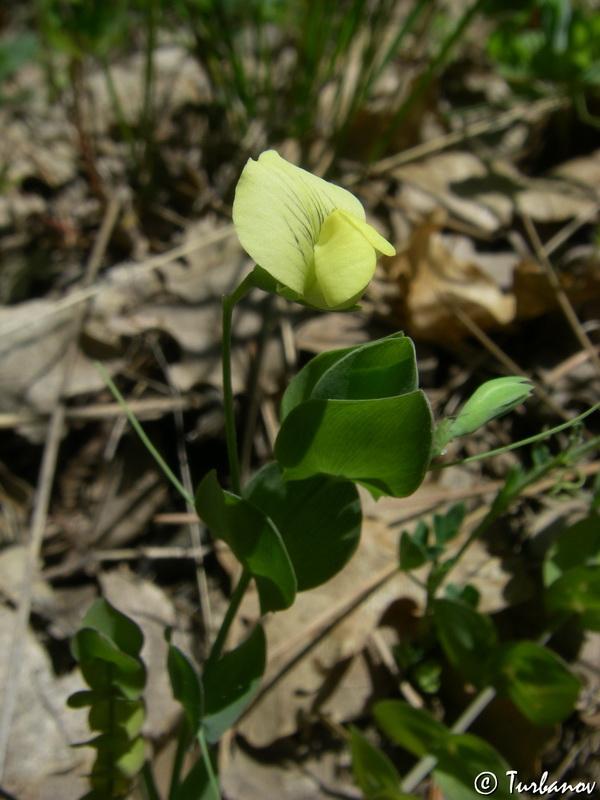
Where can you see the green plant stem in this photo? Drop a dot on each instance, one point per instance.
(141, 433)
(234, 604)
(423, 767)
(148, 111)
(434, 65)
(208, 764)
(229, 302)
(509, 493)
(514, 445)
(147, 785)
(183, 742)
(124, 126)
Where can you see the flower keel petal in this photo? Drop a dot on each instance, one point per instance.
(345, 258)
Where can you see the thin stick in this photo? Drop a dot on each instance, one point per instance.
(145, 408)
(561, 295)
(468, 132)
(43, 494)
(186, 478)
(569, 229)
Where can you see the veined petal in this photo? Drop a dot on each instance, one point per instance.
(345, 258)
(278, 212)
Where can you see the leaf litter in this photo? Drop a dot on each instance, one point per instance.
(466, 247)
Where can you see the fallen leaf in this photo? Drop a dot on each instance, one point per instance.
(40, 762)
(433, 281)
(535, 296)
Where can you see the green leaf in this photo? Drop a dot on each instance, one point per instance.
(83, 699)
(319, 520)
(231, 683)
(578, 590)
(186, 686)
(537, 681)
(412, 728)
(447, 526)
(468, 594)
(413, 554)
(303, 383)
(253, 539)
(104, 666)
(467, 638)
(373, 770)
(91, 645)
(382, 444)
(577, 546)
(120, 629)
(463, 759)
(126, 715)
(384, 368)
(117, 756)
(105, 679)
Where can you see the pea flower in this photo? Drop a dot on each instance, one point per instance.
(309, 235)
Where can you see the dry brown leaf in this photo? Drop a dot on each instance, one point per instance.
(462, 183)
(433, 281)
(535, 296)
(487, 194)
(41, 764)
(331, 331)
(246, 777)
(582, 172)
(299, 691)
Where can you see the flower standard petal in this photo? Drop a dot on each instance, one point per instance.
(278, 213)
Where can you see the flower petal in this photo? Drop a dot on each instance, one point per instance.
(345, 257)
(372, 236)
(278, 212)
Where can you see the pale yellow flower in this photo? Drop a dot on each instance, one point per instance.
(308, 234)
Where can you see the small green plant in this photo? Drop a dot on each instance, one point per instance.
(297, 522)
(89, 31)
(548, 46)
(107, 649)
(537, 681)
(273, 61)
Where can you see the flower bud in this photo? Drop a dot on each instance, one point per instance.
(490, 400)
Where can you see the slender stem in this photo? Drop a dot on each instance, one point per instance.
(208, 764)
(234, 604)
(182, 745)
(142, 434)
(423, 767)
(229, 303)
(513, 446)
(147, 784)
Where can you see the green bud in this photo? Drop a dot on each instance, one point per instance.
(490, 400)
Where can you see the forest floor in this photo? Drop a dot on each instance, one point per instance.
(494, 214)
